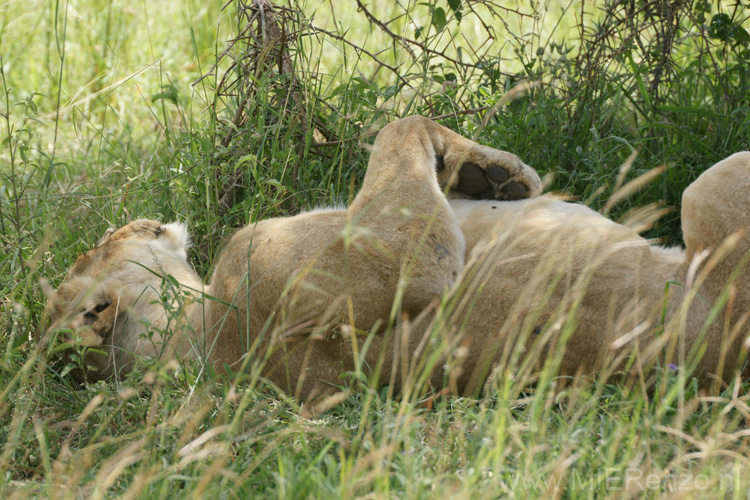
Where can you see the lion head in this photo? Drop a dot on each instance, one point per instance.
(113, 306)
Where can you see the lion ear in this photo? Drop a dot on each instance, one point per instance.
(175, 237)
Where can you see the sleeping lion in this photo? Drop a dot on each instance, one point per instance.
(412, 287)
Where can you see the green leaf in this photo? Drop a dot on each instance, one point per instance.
(168, 92)
(62, 346)
(248, 158)
(639, 81)
(741, 36)
(438, 19)
(720, 27)
(702, 6)
(688, 110)
(455, 6)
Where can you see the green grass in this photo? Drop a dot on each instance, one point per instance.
(100, 123)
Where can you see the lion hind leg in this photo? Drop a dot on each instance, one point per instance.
(415, 157)
(716, 214)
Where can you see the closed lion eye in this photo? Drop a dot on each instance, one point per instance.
(93, 314)
(102, 305)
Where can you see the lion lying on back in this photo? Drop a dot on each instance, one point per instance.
(306, 299)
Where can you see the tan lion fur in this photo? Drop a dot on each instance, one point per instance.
(305, 297)
(556, 279)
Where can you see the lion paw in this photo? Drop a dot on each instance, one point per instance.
(489, 174)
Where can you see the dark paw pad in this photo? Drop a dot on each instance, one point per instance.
(497, 174)
(514, 190)
(472, 179)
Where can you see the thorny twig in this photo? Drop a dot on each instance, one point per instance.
(372, 56)
(407, 43)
